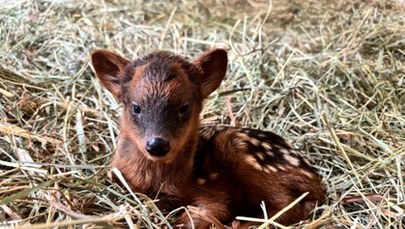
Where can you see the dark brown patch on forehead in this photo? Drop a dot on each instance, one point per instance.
(163, 71)
(163, 66)
(161, 75)
(151, 82)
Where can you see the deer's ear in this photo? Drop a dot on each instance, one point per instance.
(109, 69)
(213, 64)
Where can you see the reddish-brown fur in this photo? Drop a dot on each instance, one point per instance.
(220, 171)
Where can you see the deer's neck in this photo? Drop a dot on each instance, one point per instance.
(148, 176)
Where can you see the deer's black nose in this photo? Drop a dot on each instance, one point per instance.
(157, 147)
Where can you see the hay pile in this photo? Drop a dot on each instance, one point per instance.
(330, 77)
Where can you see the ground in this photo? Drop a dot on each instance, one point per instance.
(329, 76)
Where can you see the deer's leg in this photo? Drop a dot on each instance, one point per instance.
(204, 213)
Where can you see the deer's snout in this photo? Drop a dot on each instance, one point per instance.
(157, 146)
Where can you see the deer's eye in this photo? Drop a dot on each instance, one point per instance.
(184, 109)
(136, 109)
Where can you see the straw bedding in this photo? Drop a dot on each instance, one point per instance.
(327, 75)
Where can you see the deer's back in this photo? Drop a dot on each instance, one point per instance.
(248, 166)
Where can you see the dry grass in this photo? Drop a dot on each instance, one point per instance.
(329, 76)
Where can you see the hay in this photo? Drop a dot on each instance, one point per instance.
(329, 76)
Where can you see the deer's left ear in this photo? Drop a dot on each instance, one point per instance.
(213, 64)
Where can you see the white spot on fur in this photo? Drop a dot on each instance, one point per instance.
(255, 141)
(262, 135)
(269, 169)
(284, 151)
(201, 181)
(281, 168)
(242, 136)
(292, 160)
(266, 146)
(260, 155)
(240, 144)
(253, 162)
(306, 173)
(294, 152)
(213, 176)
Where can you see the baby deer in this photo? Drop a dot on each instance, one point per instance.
(218, 171)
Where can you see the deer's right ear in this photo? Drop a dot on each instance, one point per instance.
(213, 65)
(109, 69)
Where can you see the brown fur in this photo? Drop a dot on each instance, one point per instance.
(220, 172)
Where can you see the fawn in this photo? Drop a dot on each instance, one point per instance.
(221, 171)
